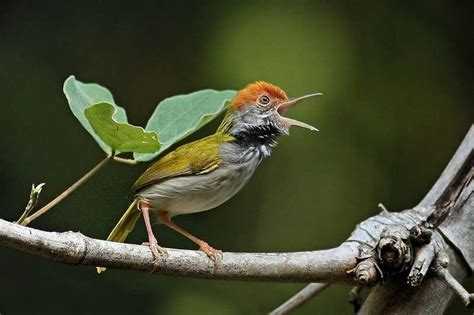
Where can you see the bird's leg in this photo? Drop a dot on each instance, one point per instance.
(152, 242)
(212, 253)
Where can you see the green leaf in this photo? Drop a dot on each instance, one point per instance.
(120, 137)
(179, 116)
(81, 95)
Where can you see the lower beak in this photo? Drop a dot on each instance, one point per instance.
(283, 107)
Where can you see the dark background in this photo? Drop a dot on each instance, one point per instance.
(397, 80)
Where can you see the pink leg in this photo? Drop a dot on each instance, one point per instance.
(152, 242)
(212, 253)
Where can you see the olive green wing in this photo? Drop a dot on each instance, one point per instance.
(195, 158)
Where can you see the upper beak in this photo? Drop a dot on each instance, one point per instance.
(283, 107)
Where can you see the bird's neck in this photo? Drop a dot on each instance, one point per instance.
(245, 148)
(250, 141)
(250, 144)
(256, 136)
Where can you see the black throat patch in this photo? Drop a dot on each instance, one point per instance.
(258, 135)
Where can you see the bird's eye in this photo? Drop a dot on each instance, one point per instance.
(264, 100)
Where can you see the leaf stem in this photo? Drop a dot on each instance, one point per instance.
(68, 191)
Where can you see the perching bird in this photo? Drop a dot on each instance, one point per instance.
(203, 174)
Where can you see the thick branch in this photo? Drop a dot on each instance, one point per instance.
(397, 297)
(74, 248)
(451, 203)
(381, 247)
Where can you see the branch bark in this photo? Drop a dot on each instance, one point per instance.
(399, 249)
(451, 203)
(389, 248)
(76, 249)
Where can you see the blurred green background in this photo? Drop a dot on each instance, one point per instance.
(398, 99)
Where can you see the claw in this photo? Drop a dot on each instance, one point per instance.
(214, 254)
(160, 249)
(156, 251)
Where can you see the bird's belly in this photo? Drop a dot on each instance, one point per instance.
(189, 194)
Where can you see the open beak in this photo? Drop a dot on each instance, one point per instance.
(283, 107)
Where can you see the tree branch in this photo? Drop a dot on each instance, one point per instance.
(451, 203)
(415, 240)
(389, 248)
(76, 249)
(303, 296)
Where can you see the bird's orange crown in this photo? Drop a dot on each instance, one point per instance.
(252, 91)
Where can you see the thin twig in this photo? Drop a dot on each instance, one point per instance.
(300, 298)
(445, 275)
(382, 207)
(355, 297)
(32, 202)
(67, 192)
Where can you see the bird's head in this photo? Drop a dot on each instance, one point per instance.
(259, 107)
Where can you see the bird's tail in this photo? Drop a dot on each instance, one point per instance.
(124, 226)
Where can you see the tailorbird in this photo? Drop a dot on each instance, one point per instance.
(203, 174)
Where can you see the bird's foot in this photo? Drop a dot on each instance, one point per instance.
(214, 254)
(156, 250)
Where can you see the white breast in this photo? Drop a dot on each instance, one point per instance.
(189, 194)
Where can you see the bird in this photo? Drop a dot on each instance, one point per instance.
(201, 175)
